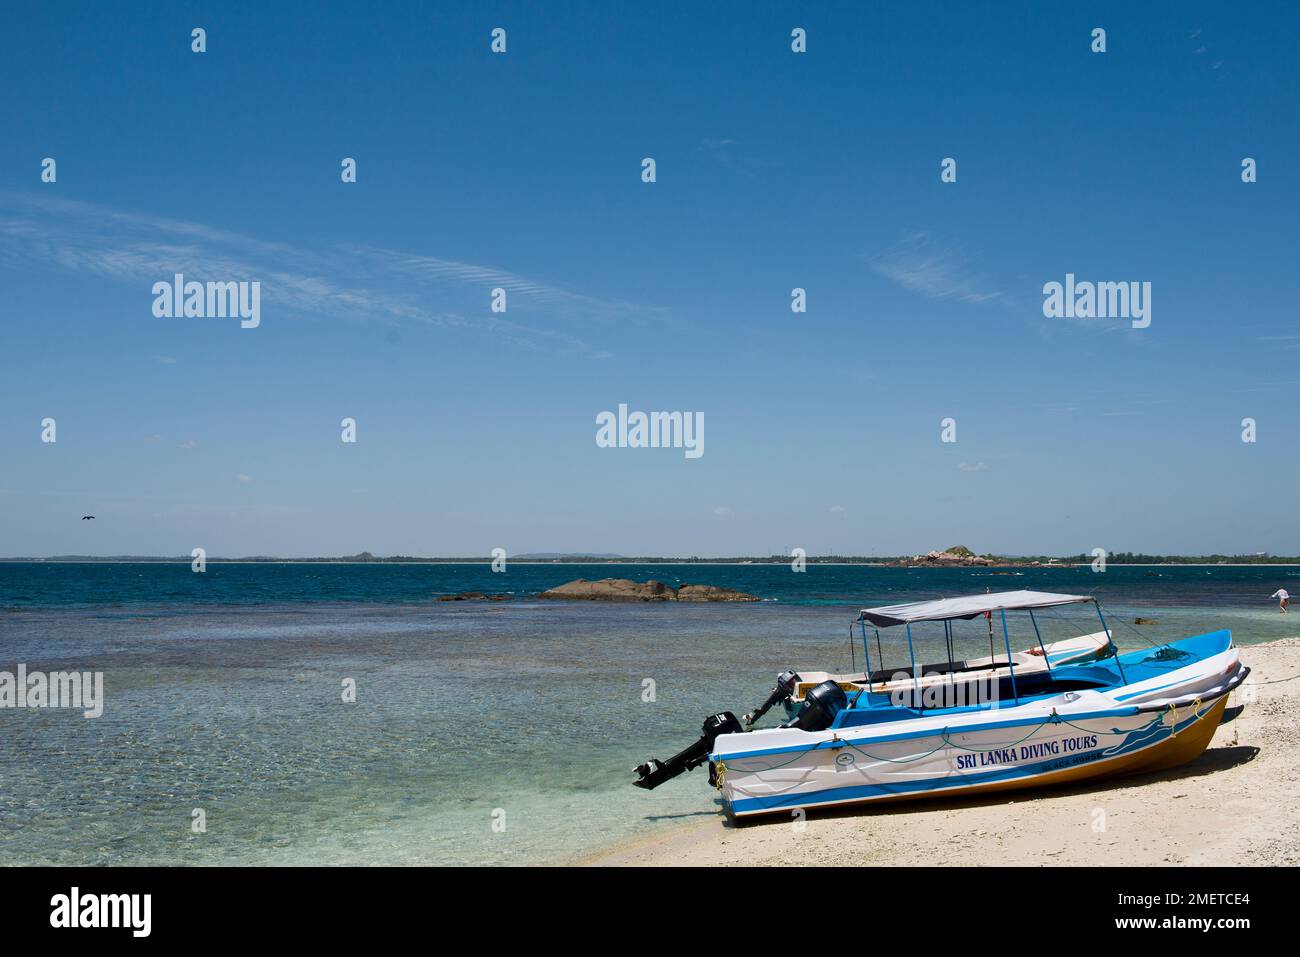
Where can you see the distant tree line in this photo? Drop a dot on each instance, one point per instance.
(1112, 558)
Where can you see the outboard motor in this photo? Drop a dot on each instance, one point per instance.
(655, 772)
(820, 706)
(785, 685)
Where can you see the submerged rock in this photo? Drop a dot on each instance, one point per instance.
(712, 593)
(611, 589)
(472, 596)
(624, 589)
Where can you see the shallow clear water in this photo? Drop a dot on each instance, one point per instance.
(533, 708)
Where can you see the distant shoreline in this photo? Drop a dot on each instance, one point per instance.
(866, 563)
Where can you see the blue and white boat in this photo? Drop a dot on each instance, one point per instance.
(962, 729)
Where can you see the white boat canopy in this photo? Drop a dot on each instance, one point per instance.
(947, 609)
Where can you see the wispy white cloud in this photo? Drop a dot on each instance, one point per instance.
(974, 466)
(431, 268)
(920, 265)
(339, 281)
(727, 153)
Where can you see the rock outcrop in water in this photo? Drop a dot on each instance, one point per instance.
(712, 593)
(624, 589)
(959, 556)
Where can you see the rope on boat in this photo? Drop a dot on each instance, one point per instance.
(917, 757)
(1173, 716)
(720, 769)
(954, 744)
(1057, 719)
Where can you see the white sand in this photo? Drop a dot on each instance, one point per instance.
(1238, 804)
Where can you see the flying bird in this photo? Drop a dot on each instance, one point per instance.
(86, 517)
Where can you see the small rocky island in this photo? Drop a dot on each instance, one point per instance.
(624, 589)
(959, 556)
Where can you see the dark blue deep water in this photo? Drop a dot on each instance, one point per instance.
(51, 584)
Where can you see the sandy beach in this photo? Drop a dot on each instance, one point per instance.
(1238, 804)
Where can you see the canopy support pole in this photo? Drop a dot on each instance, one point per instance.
(866, 653)
(1114, 649)
(916, 681)
(952, 674)
(1041, 646)
(1006, 637)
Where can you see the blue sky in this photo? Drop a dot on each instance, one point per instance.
(774, 170)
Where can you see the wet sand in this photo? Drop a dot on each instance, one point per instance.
(1238, 804)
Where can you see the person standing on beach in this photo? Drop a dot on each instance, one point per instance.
(1283, 598)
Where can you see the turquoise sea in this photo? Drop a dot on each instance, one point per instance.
(223, 693)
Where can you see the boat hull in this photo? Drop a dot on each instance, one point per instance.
(981, 761)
